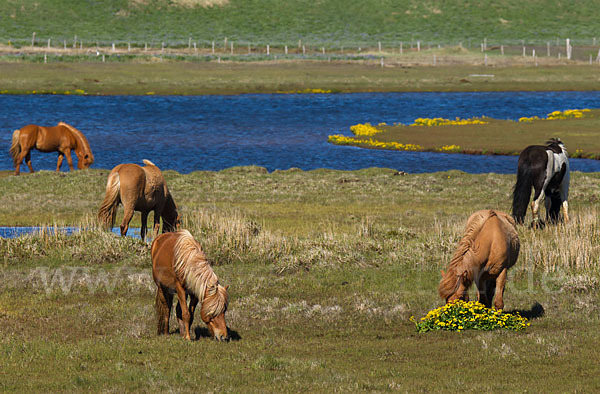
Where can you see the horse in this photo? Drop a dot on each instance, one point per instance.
(489, 247)
(61, 138)
(140, 189)
(179, 266)
(546, 169)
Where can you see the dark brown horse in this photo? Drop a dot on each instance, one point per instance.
(61, 138)
(140, 189)
(179, 266)
(488, 248)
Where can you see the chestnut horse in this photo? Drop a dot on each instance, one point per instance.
(140, 189)
(180, 267)
(488, 248)
(61, 138)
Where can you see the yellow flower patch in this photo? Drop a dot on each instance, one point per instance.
(461, 315)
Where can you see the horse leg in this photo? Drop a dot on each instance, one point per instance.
(157, 223)
(183, 313)
(163, 304)
(535, 206)
(193, 303)
(28, 161)
(144, 225)
(19, 160)
(500, 282)
(69, 159)
(59, 161)
(565, 209)
(490, 289)
(127, 216)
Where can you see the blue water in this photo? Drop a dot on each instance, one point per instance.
(13, 232)
(188, 133)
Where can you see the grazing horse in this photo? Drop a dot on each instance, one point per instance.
(61, 138)
(546, 169)
(488, 248)
(180, 267)
(140, 189)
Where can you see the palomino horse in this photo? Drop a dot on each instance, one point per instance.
(546, 169)
(488, 248)
(179, 266)
(61, 138)
(140, 189)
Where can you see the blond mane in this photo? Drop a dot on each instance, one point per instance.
(82, 142)
(197, 276)
(449, 281)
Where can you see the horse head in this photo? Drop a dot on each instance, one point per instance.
(85, 161)
(213, 311)
(170, 216)
(463, 282)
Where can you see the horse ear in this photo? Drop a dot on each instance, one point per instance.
(227, 287)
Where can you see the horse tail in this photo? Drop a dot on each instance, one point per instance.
(522, 193)
(108, 208)
(15, 146)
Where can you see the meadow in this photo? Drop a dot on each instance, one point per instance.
(329, 22)
(325, 269)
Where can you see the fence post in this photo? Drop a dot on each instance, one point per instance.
(268, 50)
(33, 39)
(189, 42)
(379, 46)
(381, 60)
(418, 46)
(502, 50)
(303, 50)
(113, 46)
(225, 44)
(485, 44)
(65, 44)
(548, 49)
(485, 61)
(569, 49)
(286, 51)
(213, 47)
(48, 43)
(128, 46)
(524, 49)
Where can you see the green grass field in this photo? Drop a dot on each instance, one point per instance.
(330, 22)
(325, 268)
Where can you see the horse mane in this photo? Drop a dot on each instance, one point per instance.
(449, 281)
(198, 277)
(557, 144)
(81, 140)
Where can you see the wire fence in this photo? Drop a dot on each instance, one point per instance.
(490, 50)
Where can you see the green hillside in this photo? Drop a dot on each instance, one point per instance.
(326, 22)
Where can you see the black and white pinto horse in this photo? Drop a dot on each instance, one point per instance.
(546, 169)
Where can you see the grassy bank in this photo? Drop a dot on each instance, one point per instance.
(482, 135)
(324, 267)
(272, 77)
